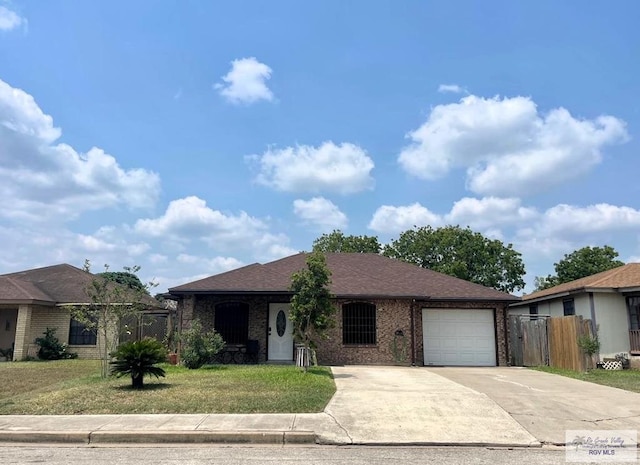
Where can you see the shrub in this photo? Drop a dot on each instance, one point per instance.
(138, 359)
(51, 348)
(590, 345)
(199, 347)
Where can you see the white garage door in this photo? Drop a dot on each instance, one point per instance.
(458, 337)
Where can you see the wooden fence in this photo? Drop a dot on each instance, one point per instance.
(549, 341)
(563, 334)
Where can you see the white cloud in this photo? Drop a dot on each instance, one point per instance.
(246, 82)
(213, 265)
(389, 219)
(9, 19)
(40, 180)
(479, 214)
(190, 219)
(321, 212)
(450, 88)
(343, 168)
(489, 212)
(572, 220)
(506, 146)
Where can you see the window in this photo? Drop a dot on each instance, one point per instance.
(359, 323)
(569, 307)
(232, 322)
(79, 335)
(634, 313)
(533, 309)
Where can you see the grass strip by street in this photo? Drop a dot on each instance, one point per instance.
(68, 387)
(629, 380)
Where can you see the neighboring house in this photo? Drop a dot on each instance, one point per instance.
(33, 300)
(611, 300)
(388, 312)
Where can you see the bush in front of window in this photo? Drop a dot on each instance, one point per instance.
(51, 348)
(199, 347)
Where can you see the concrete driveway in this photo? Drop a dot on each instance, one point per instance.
(378, 405)
(547, 405)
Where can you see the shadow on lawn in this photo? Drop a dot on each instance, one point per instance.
(146, 387)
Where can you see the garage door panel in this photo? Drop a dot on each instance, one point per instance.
(459, 337)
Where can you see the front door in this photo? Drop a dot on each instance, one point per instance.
(280, 333)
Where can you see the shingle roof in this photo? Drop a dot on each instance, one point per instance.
(625, 276)
(17, 290)
(57, 284)
(352, 274)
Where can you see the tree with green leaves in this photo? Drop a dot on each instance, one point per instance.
(462, 253)
(337, 242)
(110, 303)
(312, 311)
(579, 264)
(139, 359)
(127, 278)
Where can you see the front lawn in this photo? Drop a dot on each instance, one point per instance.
(629, 380)
(74, 387)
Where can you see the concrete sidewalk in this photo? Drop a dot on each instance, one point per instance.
(372, 405)
(237, 429)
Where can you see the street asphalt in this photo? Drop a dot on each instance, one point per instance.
(372, 406)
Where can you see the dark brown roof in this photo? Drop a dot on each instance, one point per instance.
(17, 291)
(352, 274)
(625, 276)
(57, 284)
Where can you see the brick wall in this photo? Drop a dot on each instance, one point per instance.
(33, 320)
(393, 328)
(390, 349)
(203, 308)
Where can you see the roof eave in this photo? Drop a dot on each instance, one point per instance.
(48, 303)
(569, 293)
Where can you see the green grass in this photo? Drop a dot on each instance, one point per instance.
(68, 387)
(629, 380)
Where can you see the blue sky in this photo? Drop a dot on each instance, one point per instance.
(192, 137)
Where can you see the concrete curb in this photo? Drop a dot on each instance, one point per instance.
(159, 437)
(67, 437)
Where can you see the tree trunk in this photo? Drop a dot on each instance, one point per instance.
(136, 380)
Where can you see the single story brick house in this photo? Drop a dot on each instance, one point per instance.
(33, 300)
(610, 299)
(388, 312)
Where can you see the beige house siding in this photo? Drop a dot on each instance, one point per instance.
(613, 323)
(611, 314)
(32, 322)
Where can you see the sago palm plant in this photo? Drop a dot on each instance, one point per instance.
(138, 359)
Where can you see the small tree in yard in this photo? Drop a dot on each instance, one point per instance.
(138, 359)
(109, 303)
(311, 308)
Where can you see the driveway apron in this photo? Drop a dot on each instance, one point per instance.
(409, 405)
(548, 405)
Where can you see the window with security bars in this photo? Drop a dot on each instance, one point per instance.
(359, 323)
(79, 335)
(232, 322)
